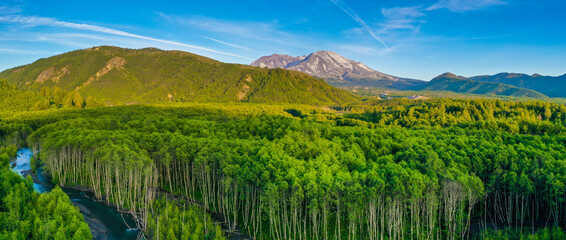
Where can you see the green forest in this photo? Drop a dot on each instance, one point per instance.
(24, 214)
(389, 169)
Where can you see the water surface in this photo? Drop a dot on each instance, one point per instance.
(105, 221)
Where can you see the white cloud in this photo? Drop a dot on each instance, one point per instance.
(392, 49)
(266, 37)
(356, 49)
(43, 21)
(403, 24)
(19, 51)
(344, 7)
(393, 26)
(9, 10)
(242, 29)
(464, 5)
(404, 19)
(403, 12)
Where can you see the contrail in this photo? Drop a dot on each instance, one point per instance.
(225, 43)
(53, 22)
(342, 5)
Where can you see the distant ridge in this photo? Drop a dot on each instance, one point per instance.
(125, 76)
(459, 84)
(548, 85)
(337, 70)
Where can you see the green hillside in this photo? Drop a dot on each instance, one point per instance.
(13, 99)
(451, 82)
(128, 76)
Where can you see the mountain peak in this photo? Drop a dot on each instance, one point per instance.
(326, 53)
(335, 58)
(448, 75)
(279, 55)
(275, 61)
(335, 69)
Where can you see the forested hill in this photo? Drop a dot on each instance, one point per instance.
(453, 83)
(13, 99)
(126, 76)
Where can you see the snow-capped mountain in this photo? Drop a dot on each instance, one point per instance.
(276, 61)
(336, 70)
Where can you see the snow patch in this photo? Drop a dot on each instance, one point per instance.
(363, 66)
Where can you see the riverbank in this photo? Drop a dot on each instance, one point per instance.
(97, 228)
(103, 219)
(105, 222)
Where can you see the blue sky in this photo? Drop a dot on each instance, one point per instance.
(406, 38)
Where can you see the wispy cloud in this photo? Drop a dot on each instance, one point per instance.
(225, 43)
(19, 51)
(402, 12)
(44, 21)
(66, 38)
(348, 10)
(360, 50)
(402, 18)
(464, 5)
(403, 24)
(264, 31)
(9, 10)
(355, 49)
(266, 37)
(390, 50)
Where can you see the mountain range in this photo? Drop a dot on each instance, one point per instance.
(451, 82)
(342, 72)
(548, 85)
(126, 76)
(115, 76)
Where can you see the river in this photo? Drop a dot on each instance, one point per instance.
(104, 221)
